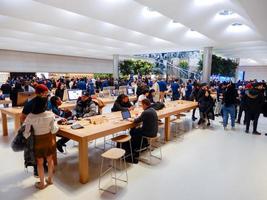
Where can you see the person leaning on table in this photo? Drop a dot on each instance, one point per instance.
(122, 103)
(149, 128)
(44, 125)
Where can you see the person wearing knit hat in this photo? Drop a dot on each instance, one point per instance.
(41, 89)
(41, 92)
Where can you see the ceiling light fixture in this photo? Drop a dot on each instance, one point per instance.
(226, 12)
(237, 27)
(149, 12)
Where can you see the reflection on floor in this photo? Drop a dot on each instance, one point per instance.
(199, 163)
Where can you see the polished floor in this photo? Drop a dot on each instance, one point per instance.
(199, 164)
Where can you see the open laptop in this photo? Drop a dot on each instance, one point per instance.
(125, 114)
(130, 91)
(73, 95)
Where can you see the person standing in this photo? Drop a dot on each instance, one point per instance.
(175, 90)
(229, 100)
(155, 86)
(253, 101)
(194, 97)
(41, 91)
(14, 93)
(188, 90)
(6, 90)
(242, 94)
(162, 89)
(43, 124)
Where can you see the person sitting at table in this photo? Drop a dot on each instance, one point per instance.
(54, 104)
(122, 103)
(151, 96)
(149, 128)
(43, 124)
(85, 106)
(143, 96)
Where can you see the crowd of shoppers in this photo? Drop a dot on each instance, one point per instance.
(245, 99)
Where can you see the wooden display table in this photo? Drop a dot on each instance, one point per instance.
(112, 123)
(15, 112)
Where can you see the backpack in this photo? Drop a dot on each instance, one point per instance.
(158, 105)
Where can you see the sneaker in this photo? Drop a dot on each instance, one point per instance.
(256, 133)
(265, 134)
(247, 131)
(225, 128)
(238, 122)
(208, 124)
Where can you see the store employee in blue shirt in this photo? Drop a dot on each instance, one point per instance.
(175, 90)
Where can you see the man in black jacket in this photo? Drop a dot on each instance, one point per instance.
(149, 128)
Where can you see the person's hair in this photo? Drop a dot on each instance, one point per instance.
(53, 100)
(151, 91)
(40, 105)
(145, 91)
(146, 102)
(121, 97)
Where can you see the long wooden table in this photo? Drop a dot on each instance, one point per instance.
(111, 124)
(15, 112)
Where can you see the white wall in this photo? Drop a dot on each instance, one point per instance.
(254, 72)
(17, 61)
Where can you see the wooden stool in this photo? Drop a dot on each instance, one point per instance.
(122, 139)
(150, 146)
(113, 154)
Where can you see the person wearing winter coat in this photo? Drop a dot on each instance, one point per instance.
(253, 103)
(205, 104)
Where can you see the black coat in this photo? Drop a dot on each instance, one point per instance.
(149, 119)
(120, 106)
(253, 101)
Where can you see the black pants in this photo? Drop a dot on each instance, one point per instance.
(241, 110)
(252, 116)
(194, 113)
(62, 140)
(136, 134)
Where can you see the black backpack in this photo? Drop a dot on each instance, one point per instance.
(158, 105)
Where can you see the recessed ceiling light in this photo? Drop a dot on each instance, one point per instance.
(236, 24)
(237, 28)
(226, 12)
(149, 12)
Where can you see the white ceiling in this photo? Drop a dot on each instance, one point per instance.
(101, 28)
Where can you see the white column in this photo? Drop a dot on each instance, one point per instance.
(115, 66)
(207, 61)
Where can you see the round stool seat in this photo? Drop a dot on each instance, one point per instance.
(152, 138)
(114, 153)
(121, 138)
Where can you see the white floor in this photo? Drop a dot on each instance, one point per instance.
(201, 164)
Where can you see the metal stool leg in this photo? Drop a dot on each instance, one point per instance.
(125, 168)
(101, 169)
(131, 150)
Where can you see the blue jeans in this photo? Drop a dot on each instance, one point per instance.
(226, 111)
